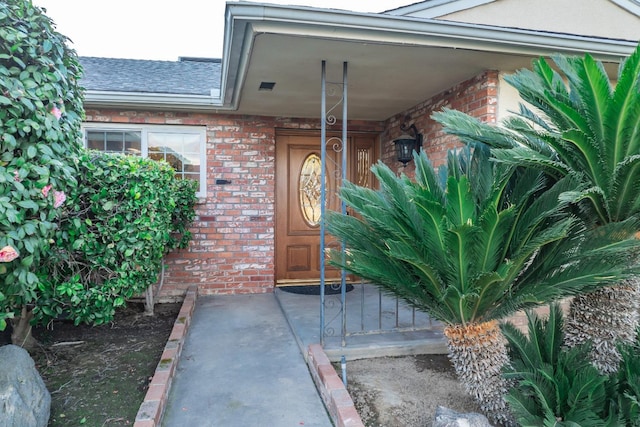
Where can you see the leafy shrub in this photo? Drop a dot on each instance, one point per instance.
(125, 215)
(628, 383)
(553, 385)
(40, 116)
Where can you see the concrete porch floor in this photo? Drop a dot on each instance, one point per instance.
(366, 310)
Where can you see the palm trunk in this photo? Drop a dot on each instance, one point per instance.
(606, 318)
(478, 353)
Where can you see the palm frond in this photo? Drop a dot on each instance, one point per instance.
(622, 117)
(525, 156)
(477, 250)
(559, 383)
(625, 194)
(426, 177)
(579, 125)
(470, 130)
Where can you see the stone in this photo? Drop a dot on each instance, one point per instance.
(446, 417)
(25, 400)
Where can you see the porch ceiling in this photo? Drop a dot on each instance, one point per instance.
(394, 62)
(383, 79)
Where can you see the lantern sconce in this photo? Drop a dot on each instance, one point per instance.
(406, 144)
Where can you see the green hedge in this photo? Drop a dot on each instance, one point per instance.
(40, 116)
(125, 215)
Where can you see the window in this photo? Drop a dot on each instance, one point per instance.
(182, 147)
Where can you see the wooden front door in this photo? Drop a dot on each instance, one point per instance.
(298, 171)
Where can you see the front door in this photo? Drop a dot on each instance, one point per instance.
(298, 178)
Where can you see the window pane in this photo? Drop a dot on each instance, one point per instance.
(133, 143)
(115, 142)
(95, 140)
(156, 156)
(180, 150)
(175, 161)
(191, 143)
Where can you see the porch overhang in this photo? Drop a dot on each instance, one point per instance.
(395, 62)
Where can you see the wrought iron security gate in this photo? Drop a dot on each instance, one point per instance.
(370, 311)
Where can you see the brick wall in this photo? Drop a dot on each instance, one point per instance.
(477, 97)
(232, 250)
(233, 246)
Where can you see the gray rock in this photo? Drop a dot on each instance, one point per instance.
(446, 417)
(24, 398)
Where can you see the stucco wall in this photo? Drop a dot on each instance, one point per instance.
(601, 18)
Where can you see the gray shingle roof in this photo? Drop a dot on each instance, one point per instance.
(189, 76)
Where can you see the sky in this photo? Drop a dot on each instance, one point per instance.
(162, 29)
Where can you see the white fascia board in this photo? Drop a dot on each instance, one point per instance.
(247, 20)
(629, 5)
(94, 98)
(436, 8)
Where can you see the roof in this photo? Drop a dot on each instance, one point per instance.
(394, 62)
(188, 76)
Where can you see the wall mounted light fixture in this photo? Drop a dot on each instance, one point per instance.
(406, 144)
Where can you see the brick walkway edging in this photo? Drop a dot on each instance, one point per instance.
(333, 392)
(152, 408)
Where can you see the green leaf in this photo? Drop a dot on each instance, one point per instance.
(28, 204)
(46, 46)
(32, 151)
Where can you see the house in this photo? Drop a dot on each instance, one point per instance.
(248, 126)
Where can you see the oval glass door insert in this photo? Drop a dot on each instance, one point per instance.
(309, 189)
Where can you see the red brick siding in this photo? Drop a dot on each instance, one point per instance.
(232, 250)
(477, 97)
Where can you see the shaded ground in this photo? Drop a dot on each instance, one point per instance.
(98, 376)
(405, 391)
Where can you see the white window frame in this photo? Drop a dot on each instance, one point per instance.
(144, 130)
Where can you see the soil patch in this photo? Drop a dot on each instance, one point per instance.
(405, 391)
(98, 376)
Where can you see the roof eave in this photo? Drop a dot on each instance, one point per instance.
(244, 21)
(108, 99)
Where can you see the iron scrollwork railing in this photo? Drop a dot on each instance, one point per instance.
(338, 145)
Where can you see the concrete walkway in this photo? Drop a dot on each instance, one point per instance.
(241, 366)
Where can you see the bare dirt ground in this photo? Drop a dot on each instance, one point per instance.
(98, 376)
(405, 391)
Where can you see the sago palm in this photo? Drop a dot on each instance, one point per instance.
(554, 386)
(579, 124)
(485, 241)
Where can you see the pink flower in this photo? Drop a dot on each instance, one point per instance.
(16, 176)
(45, 190)
(8, 254)
(56, 112)
(59, 198)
